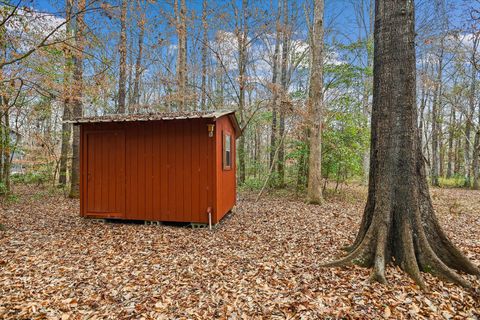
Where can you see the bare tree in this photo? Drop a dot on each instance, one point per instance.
(436, 123)
(77, 97)
(275, 86)
(203, 86)
(67, 77)
(122, 48)
(315, 106)
(242, 39)
(284, 91)
(138, 63)
(181, 24)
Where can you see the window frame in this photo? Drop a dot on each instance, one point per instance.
(224, 151)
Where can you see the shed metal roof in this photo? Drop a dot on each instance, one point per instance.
(177, 115)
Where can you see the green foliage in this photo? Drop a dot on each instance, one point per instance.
(253, 183)
(342, 74)
(454, 182)
(345, 141)
(3, 188)
(12, 198)
(46, 193)
(39, 176)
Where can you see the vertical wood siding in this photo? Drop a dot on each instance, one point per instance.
(104, 172)
(226, 179)
(156, 170)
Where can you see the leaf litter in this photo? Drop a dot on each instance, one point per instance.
(261, 262)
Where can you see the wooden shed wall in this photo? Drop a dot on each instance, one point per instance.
(169, 171)
(226, 189)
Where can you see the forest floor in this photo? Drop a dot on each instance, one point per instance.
(260, 262)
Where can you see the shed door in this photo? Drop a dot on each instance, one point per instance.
(106, 173)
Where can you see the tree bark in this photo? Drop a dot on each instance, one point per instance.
(274, 102)
(476, 156)
(284, 98)
(77, 99)
(6, 143)
(423, 104)
(315, 104)
(2, 132)
(242, 33)
(468, 128)
(181, 22)
(458, 156)
(435, 168)
(67, 78)
(399, 224)
(476, 160)
(138, 63)
(122, 81)
(2, 99)
(203, 86)
(451, 150)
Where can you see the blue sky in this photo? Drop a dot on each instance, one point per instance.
(338, 13)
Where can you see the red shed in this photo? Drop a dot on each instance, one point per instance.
(177, 166)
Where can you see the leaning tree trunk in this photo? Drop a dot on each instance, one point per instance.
(399, 223)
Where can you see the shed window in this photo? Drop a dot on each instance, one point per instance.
(227, 151)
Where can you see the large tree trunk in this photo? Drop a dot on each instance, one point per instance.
(315, 104)
(122, 81)
(274, 102)
(283, 102)
(242, 33)
(77, 99)
(66, 127)
(399, 224)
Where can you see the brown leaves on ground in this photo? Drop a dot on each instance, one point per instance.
(261, 262)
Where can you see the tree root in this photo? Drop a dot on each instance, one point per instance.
(411, 251)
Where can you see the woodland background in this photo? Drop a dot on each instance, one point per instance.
(65, 59)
